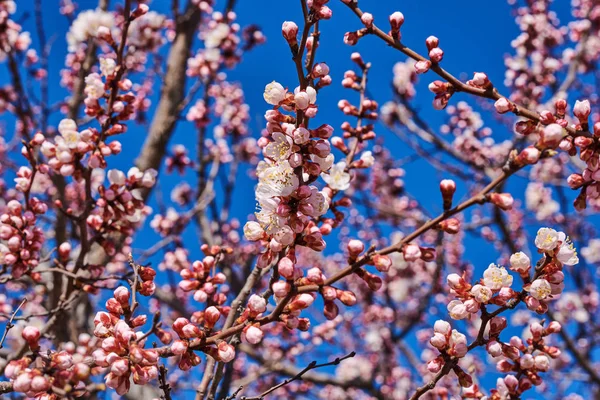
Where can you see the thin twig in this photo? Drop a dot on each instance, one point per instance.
(311, 366)
(9, 324)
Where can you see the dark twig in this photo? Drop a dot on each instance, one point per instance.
(10, 324)
(311, 366)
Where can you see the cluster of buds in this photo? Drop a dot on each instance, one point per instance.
(54, 372)
(178, 160)
(256, 306)
(526, 360)
(451, 344)
(146, 285)
(494, 288)
(443, 92)
(319, 9)
(121, 206)
(204, 285)
(188, 331)
(588, 182)
(435, 52)
(122, 347)
(65, 372)
(21, 239)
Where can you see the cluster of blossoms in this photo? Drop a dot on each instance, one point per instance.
(295, 157)
(122, 347)
(496, 280)
(65, 152)
(472, 138)
(534, 64)
(86, 27)
(12, 37)
(495, 287)
(223, 47)
(555, 131)
(525, 360)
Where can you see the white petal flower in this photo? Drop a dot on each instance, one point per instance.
(274, 93)
(280, 148)
(546, 239)
(540, 289)
(496, 278)
(337, 178)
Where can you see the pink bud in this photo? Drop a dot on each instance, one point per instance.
(31, 334)
(382, 263)
(355, 247)
(435, 365)
(438, 341)
(451, 226)
(436, 54)
(226, 352)
(554, 327)
(286, 268)
(120, 367)
(257, 304)
(252, 334)
(411, 252)
(122, 295)
(367, 19)
(480, 79)
(432, 42)
(289, 29)
(179, 347)
(422, 66)
(347, 297)
(396, 21)
(211, 316)
(503, 105)
(551, 135)
(494, 348)
(503, 200)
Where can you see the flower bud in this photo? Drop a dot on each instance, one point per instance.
(289, 30)
(411, 252)
(582, 110)
(355, 247)
(503, 105)
(396, 21)
(503, 200)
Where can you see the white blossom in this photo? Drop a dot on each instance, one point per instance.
(337, 178)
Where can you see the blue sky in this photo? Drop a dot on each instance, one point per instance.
(474, 35)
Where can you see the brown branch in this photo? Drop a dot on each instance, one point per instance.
(488, 93)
